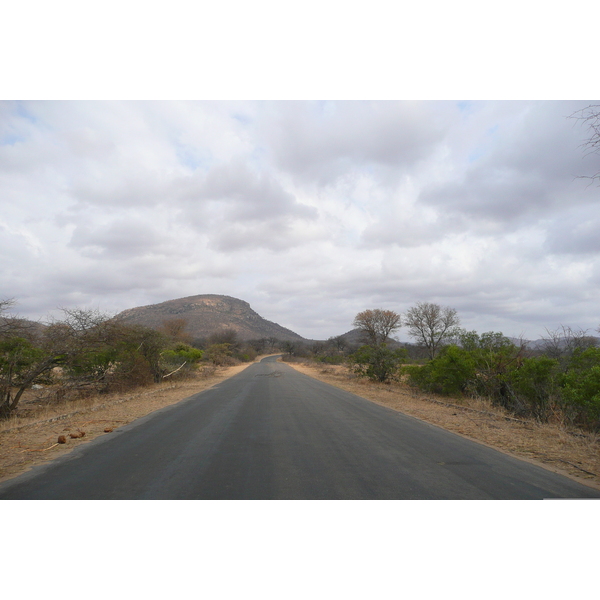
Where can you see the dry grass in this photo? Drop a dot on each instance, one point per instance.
(561, 449)
(32, 437)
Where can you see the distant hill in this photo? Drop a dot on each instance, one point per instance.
(24, 327)
(561, 343)
(207, 314)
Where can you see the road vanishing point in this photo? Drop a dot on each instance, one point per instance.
(271, 433)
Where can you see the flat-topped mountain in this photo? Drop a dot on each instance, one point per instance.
(207, 314)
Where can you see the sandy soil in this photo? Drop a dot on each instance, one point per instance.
(565, 450)
(26, 442)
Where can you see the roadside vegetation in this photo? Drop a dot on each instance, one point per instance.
(88, 354)
(557, 380)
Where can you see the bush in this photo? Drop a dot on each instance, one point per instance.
(534, 384)
(131, 372)
(378, 363)
(581, 386)
(330, 360)
(182, 353)
(220, 354)
(450, 373)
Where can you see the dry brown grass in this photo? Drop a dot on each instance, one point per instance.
(565, 450)
(32, 437)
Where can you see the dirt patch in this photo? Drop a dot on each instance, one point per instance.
(565, 450)
(34, 439)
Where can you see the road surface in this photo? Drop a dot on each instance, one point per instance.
(273, 433)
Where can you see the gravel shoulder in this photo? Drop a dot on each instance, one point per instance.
(565, 450)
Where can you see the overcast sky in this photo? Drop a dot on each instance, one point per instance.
(310, 211)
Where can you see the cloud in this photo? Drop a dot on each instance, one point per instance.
(322, 142)
(238, 209)
(576, 233)
(245, 194)
(310, 211)
(116, 240)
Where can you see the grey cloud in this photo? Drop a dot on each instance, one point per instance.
(238, 209)
(255, 196)
(526, 171)
(275, 234)
(116, 240)
(246, 195)
(546, 142)
(309, 211)
(493, 193)
(575, 233)
(409, 231)
(132, 187)
(325, 141)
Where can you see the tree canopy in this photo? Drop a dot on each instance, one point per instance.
(377, 325)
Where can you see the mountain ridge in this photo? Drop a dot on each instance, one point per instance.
(207, 314)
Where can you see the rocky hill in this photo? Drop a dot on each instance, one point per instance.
(207, 314)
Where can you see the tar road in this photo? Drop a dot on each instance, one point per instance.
(273, 433)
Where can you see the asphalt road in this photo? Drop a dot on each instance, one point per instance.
(273, 433)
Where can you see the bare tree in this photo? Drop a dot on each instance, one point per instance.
(590, 116)
(272, 343)
(431, 325)
(339, 342)
(564, 341)
(225, 336)
(11, 325)
(176, 329)
(377, 325)
(6, 321)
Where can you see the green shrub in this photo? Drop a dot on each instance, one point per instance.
(182, 353)
(220, 354)
(534, 384)
(378, 363)
(450, 372)
(581, 386)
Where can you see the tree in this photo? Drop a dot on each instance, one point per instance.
(377, 325)
(225, 336)
(590, 116)
(290, 348)
(563, 342)
(176, 329)
(27, 357)
(339, 342)
(430, 324)
(21, 361)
